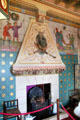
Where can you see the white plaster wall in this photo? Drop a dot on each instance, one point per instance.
(23, 81)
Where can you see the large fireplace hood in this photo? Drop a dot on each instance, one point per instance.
(38, 53)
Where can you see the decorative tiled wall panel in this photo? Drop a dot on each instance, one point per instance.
(66, 78)
(7, 80)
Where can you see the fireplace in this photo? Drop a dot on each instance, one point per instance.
(52, 81)
(38, 63)
(39, 96)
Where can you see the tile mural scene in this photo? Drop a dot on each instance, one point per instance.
(12, 33)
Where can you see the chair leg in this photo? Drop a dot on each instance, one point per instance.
(19, 117)
(4, 119)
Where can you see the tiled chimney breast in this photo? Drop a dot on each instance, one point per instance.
(38, 53)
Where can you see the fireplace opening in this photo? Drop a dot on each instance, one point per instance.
(39, 96)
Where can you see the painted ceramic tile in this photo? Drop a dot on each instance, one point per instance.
(12, 33)
(65, 36)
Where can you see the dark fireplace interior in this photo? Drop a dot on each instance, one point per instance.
(39, 96)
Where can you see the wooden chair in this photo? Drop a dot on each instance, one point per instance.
(11, 107)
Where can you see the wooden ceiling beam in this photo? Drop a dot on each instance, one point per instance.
(24, 5)
(32, 7)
